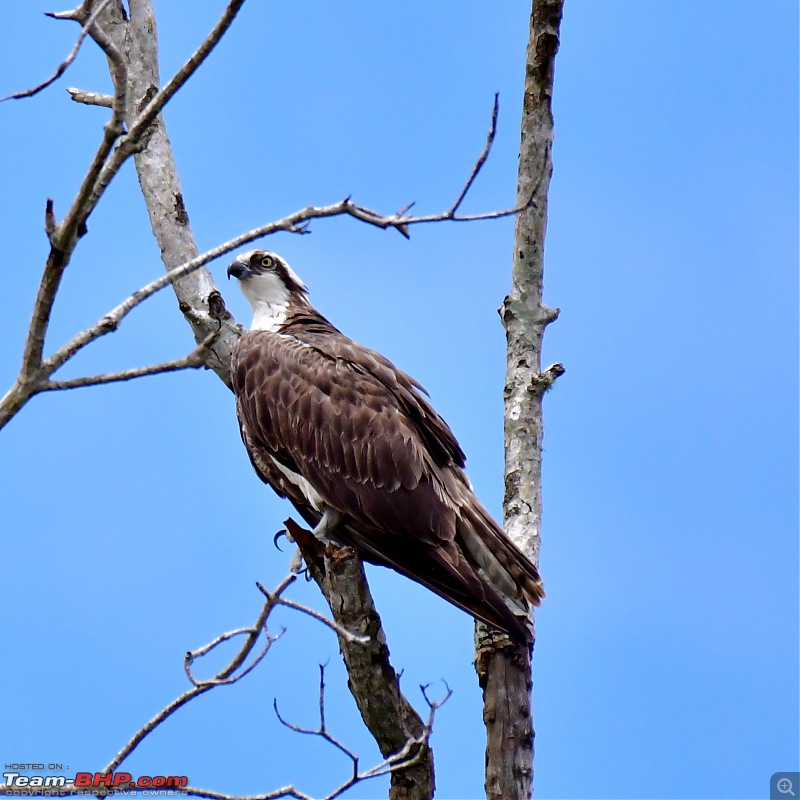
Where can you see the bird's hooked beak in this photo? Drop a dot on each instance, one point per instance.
(239, 270)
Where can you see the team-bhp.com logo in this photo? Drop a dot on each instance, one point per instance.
(88, 781)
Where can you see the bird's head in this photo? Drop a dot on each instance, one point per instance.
(265, 278)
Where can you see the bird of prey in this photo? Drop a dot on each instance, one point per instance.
(359, 450)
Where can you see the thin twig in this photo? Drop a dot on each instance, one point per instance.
(64, 65)
(111, 321)
(35, 372)
(320, 731)
(332, 624)
(194, 360)
(86, 198)
(269, 639)
(200, 687)
(482, 157)
(322, 696)
(407, 756)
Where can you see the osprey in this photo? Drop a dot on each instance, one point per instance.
(359, 450)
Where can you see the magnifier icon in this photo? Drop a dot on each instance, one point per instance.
(784, 786)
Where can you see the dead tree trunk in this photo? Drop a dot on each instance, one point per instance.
(372, 681)
(504, 668)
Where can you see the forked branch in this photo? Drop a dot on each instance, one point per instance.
(407, 756)
(234, 671)
(114, 149)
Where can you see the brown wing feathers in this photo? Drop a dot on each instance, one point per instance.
(365, 437)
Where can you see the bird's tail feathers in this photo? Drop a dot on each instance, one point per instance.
(497, 559)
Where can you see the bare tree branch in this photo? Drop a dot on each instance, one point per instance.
(231, 673)
(64, 65)
(349, 636)
(405, 757)
(102, 172)
(482, 157)
(227, 674)
(194, 360)
(64, 236)
(35, 373)
(293, 223)
(139, 126)
(91, 98)
(321, 730)
(154, 107)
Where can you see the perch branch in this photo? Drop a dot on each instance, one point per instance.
(391, 719)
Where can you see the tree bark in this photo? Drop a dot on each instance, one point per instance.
(504, 668)
(390, 718)
(161, 189)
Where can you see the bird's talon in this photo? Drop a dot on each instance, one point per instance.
(279, 535)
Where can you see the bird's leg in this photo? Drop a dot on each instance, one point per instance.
(322, 533)
(296, 562)
(325, 527)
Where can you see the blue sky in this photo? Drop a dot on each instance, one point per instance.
(134, 529)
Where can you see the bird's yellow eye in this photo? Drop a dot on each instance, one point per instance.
(267, 261)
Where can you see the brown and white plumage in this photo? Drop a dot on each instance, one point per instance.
(337, 428)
